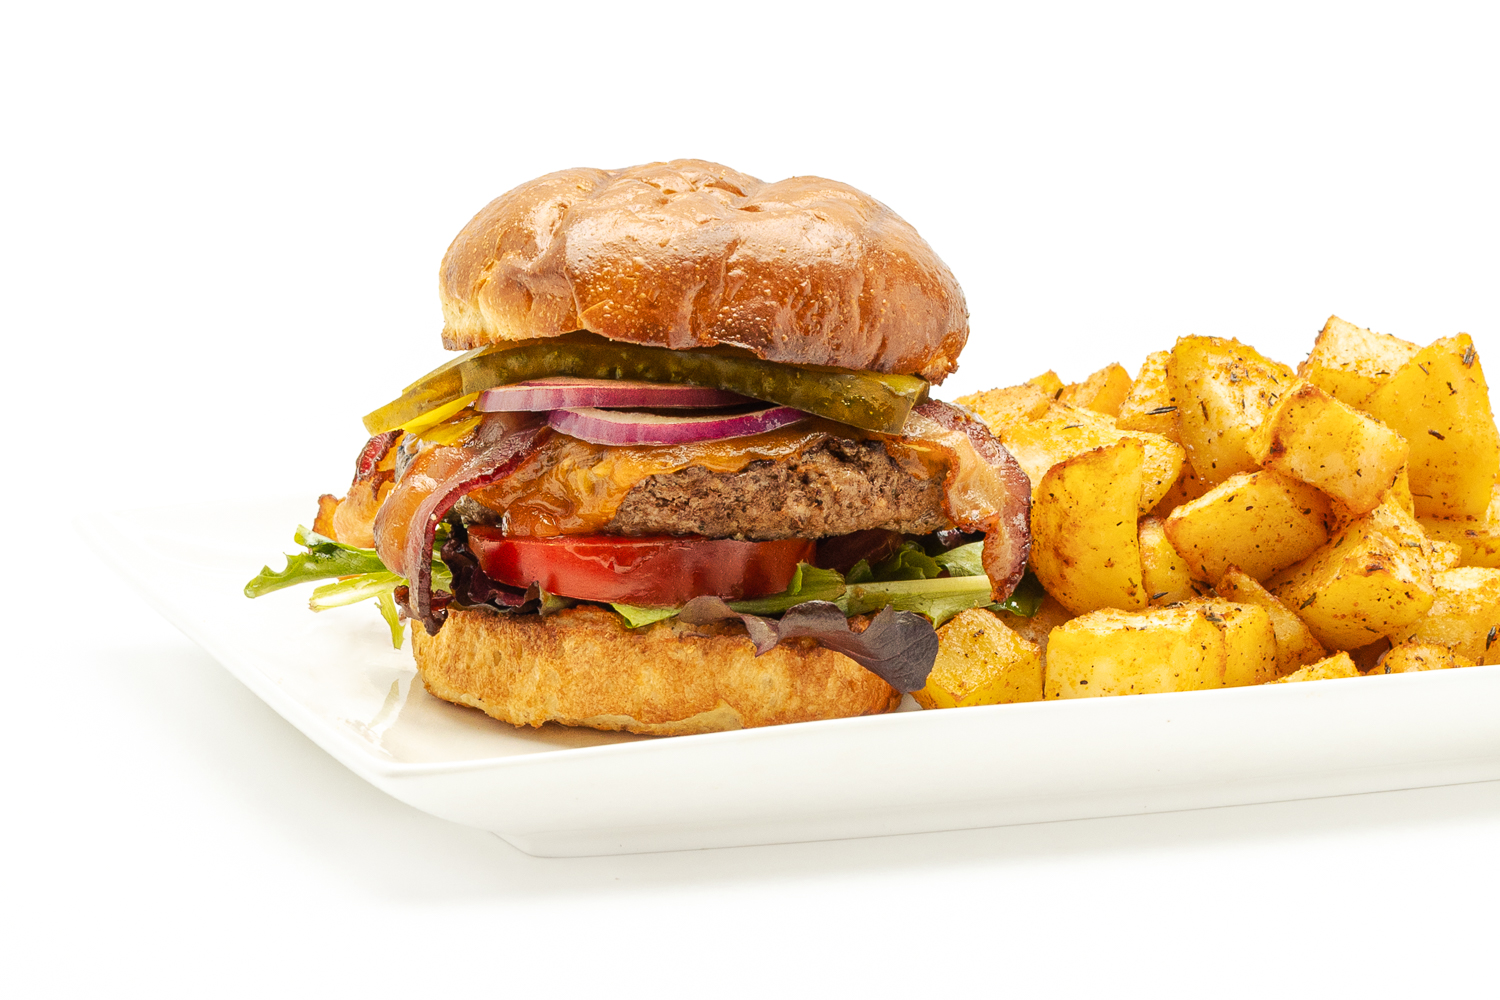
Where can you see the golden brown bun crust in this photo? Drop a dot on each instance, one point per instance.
(690, 254)
(583, 667)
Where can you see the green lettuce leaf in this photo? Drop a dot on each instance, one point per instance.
(551, 604)
(353, 590)
(909, 562)
(361, 575)
(386, 601)
(965, 560)
(1025, 600)
(938, 599)
(635, 616)
(324, 558)
(808, 584)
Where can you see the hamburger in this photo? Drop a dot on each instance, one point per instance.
(686, 475)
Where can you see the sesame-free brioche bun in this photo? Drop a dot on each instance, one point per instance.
(691, 254)
(583, 667)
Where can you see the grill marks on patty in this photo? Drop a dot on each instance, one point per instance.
(835, 488)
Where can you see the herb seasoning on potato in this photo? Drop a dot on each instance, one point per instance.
(1335, 521)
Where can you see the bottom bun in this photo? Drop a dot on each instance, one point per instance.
(584, 667)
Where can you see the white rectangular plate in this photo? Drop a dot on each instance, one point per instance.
(561, 792)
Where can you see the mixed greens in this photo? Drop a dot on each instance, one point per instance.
(911, 579)
(358, 574)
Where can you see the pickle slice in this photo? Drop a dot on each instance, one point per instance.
(868, 400)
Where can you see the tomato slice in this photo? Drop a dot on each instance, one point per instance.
(654, 571)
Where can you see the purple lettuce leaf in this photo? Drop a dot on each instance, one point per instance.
(900, 647)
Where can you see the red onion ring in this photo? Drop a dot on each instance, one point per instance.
(563, 393)
(624, 427)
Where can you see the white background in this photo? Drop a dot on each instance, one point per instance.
(219, 243)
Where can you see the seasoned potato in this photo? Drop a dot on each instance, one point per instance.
(1444, 555)
(1410, 657)
(1250, 654)
(1260, 522)
(1400, 492)
(1164, 574)
(1439, 402)
(1312, 437)
(1226, 389)
(1336, 666)
(1372, 580)
(1048, 382)
(1084, 545)
(1102, 392)
(1295, 643)
(1151, 404)
(1221, 521)
(981, 662)
(1186, 489)
(1366, 658)
(1477, 538)
(1349, 362)
(1003, 407)
(1064, 431)
(1038, 628)
(1186, 647)
(1465, 617)
(1340, 516)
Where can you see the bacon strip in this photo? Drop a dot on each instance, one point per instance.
(985, 489)
(437, 479)
(374, 451)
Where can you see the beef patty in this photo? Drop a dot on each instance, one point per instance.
(838, 487)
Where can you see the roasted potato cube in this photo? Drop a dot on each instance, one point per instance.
(1084, 545)
(1439, 402)
(1410, 657)
(1186, 489)
(1048, 382)
(1366, 657)
(1477, 538)
(1250, 655)
(1465, 617)
(1444, 555)
(981, 662)
(1260, 522)
(1295, 643)
(1002, 407)
(1151, 404)
(1349, 362)
(1312, 437)
(1340, 516)
(1335, 667)
(1225, 389)
(1038, 628)
(1372, 580)
(1400, 492)
(1186, 647)
(1102, 392)
(1064, 431)
(1164, 574)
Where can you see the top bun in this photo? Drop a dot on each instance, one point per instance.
(691, 254)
